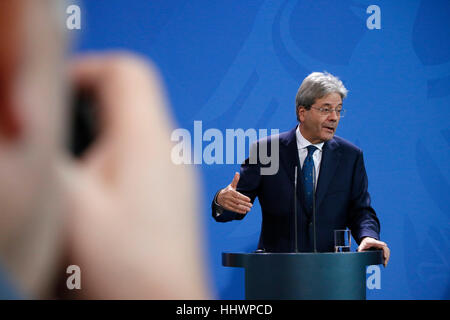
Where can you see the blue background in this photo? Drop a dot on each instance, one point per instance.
(238, 64)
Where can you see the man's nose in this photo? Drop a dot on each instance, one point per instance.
(333, 115)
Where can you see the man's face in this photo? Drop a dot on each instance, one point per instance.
(316, 126)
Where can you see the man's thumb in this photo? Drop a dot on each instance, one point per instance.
(235, 181)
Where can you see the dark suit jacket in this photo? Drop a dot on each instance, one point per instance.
(342, 199)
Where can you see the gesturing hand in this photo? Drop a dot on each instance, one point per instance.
(232, 200)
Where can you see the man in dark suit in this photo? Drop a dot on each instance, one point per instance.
(327, 164)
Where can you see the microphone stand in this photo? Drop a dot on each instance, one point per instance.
(295, 210)
(314, 206)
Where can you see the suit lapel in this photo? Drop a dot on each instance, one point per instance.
(330, 161)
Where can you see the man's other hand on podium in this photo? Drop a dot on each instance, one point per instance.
(368, 243)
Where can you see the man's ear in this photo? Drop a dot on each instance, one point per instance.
(301, 113)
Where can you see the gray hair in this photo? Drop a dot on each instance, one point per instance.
(315, 86)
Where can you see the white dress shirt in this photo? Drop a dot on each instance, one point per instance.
(302, 145)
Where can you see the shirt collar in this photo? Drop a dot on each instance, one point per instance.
(303, 143)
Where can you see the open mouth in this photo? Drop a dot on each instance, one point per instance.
(329, 129)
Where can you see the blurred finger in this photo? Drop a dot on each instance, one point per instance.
(124, 108)
(131, 106)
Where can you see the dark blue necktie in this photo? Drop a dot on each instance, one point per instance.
(308, 182)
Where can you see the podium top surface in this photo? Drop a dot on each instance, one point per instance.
(243, 259)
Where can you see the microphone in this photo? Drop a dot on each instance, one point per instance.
(295, 210)
(314, 206)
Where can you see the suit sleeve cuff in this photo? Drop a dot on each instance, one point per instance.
(217, 208)
(370, 234)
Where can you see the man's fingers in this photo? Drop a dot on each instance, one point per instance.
(364, 246)
(240, 196)
(381, 243)
(235, 181)
(367, 245)
(372, 243)
(243, 203)
(386, 255)
(236, 208)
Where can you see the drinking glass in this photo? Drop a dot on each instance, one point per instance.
(342, 240)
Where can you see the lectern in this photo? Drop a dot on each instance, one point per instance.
(310, 276)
